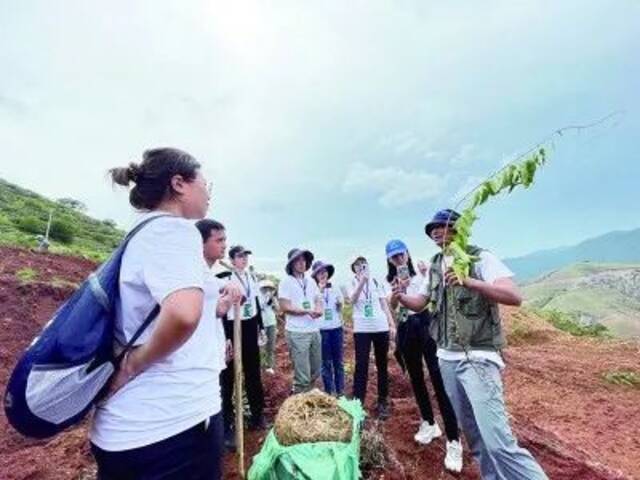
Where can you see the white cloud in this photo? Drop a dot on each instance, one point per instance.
(466, 154)
(395, 186)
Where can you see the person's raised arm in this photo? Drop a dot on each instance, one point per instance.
(502, 290)
(353, 298)
(415, 303)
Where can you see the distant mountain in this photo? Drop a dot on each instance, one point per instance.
(608, 294)
(619, 246)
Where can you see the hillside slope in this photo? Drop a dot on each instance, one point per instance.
(613, 247)
(575, 423)
(608, 294)
(24, 215)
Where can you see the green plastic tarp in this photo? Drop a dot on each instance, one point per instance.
(312, 461)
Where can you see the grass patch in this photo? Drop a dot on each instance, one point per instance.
(568, 323)
(26, 275)
(625, 378)
(520, 332)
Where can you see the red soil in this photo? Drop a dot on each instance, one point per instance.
(574, 423)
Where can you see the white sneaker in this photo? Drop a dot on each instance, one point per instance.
(270, 371)
(427, 433)
(453, 459)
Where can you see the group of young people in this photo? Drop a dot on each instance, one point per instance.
(169, 405)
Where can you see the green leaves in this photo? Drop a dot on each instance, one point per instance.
(513, 175)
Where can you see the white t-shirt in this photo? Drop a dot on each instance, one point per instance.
(375, 319)
(181, 390)
(268, 311)
(488, 268)
(332, 316)
(300, 292)
(249, 287)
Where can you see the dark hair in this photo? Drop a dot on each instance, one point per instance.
(359, 259)
(152, 177)
(392, 270)
(206, 226)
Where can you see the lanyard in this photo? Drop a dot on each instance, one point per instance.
(367, 291)
(326, 297)
(303, 286)
(247, 287)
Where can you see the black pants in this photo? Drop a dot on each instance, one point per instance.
(195, 454)
(416, 345)
(362, 342)
(251, 370)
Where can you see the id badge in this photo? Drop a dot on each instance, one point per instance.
(306, 305)
(247, 310)
(328, 314)
(403, 314)
(368, 310)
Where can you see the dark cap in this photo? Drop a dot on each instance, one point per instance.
(238, 250)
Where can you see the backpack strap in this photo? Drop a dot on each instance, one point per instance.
(156, 309)
(152, 315)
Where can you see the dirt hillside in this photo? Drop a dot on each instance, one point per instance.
(576, 424)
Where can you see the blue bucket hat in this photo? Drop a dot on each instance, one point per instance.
(320, 265)
(441, 218)
(394, 247)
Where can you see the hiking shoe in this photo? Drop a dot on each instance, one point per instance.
(427, 433)
(382, 411)
(229, 439)
(453, 459)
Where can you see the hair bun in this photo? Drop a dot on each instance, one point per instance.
(133, 172)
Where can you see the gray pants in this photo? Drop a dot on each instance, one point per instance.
(270, 347)
(475, 390)
(305, 350)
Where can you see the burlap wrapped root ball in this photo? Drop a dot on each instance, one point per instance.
(310, 418)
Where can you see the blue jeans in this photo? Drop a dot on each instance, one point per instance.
(475, 390)
(332, 361)
(195, 453)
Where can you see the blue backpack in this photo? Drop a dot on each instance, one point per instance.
(67, 368)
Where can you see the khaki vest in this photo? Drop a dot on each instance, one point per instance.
(463, 318)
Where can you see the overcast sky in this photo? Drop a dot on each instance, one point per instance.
(332, 125)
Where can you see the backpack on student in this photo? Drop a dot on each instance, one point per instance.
(67, 368)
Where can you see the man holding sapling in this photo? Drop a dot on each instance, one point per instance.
(467, 328)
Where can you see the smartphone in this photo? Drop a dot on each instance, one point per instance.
(403, 272)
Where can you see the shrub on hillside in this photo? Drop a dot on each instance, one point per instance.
(568, 323)
(109, 223)
(62, 231)
(31, 225)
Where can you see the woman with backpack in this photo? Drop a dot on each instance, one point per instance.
(162, 417)
(413, 346)
(372, 324)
